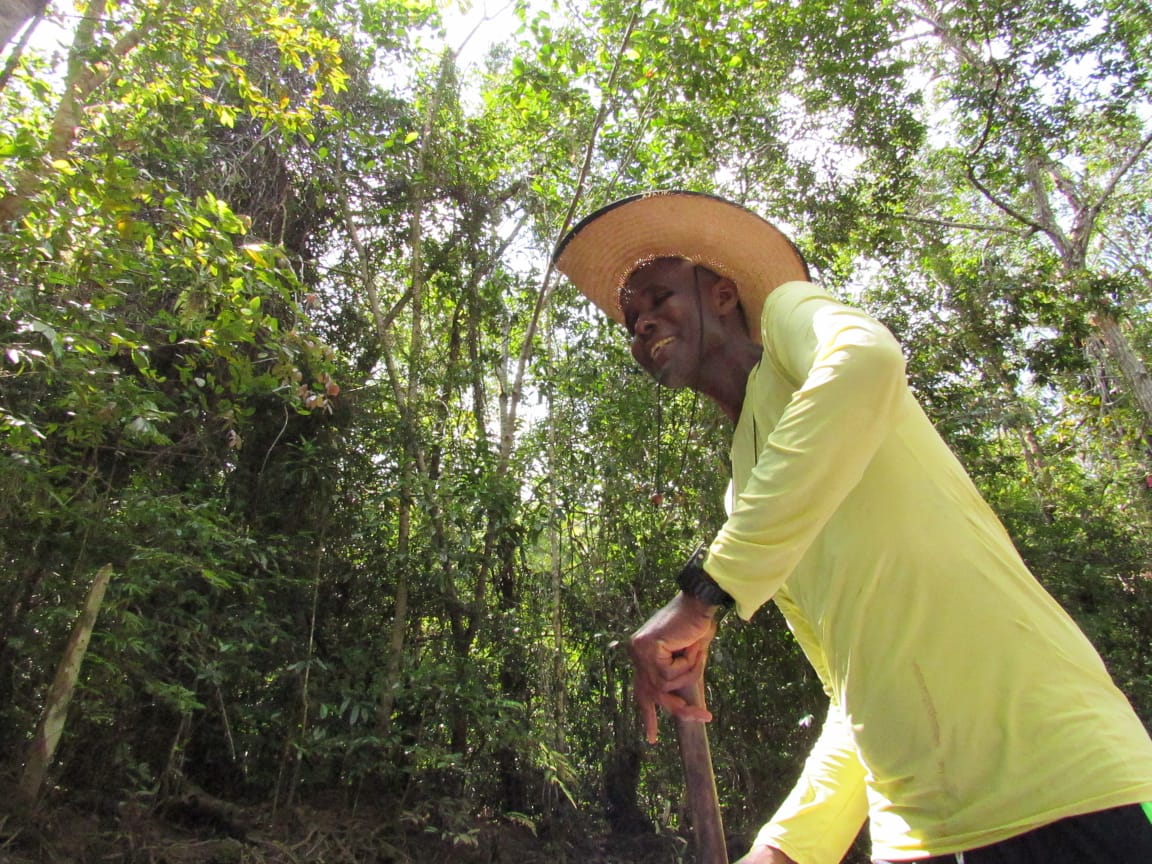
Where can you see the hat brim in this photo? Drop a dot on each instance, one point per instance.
(601, 252)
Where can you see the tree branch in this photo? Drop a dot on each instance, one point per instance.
(1088, 219)
(81, 81)
(508, 419)
(949, 223)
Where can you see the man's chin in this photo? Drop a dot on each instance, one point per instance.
(663, 374)
(667, 378)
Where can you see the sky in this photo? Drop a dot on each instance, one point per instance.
(477, 26)
(474, 25)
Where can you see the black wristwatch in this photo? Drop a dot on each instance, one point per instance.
(694, 581)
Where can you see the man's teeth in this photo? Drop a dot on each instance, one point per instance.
(659, 346)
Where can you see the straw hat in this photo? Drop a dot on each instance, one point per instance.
(603, 250)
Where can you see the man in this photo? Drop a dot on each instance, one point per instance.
(970, 720)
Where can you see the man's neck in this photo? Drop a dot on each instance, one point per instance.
(725, 380)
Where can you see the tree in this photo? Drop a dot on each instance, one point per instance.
(384, 497)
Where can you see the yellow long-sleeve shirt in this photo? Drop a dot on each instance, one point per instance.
(966, 706)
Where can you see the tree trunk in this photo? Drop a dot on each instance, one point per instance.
(305, 704)
(43, 747)
(15, 15)
(413, 463)
(1130, 365)
(399, 628)
(559, 666)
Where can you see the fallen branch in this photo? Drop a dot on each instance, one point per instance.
(43, 747)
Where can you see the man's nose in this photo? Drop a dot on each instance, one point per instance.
(644, 323)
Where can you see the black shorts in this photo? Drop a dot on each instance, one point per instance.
(1122, 835)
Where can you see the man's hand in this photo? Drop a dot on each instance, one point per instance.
(765, 855)
(669, 653)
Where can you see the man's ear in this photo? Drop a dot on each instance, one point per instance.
(725, 295)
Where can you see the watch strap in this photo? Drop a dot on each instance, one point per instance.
(694, 580)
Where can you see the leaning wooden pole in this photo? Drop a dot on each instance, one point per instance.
(43, 747)
(700, 782)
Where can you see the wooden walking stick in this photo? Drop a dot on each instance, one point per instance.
(703, 802)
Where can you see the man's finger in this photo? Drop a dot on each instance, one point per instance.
(679, 707)
(681, 679)
(683, 665)
(651, 727)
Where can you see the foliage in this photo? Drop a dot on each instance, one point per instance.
(384, 498)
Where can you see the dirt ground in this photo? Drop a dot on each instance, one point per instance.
(189, 833)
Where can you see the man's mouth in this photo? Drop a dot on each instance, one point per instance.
(659, 346)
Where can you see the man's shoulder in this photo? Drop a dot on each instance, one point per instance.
(789, 299)
(791, 293)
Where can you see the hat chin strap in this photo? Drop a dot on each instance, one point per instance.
(699, 321)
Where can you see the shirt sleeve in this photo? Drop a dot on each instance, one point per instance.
(822, 815)
(849, 376)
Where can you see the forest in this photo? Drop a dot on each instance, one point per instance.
(327, 506)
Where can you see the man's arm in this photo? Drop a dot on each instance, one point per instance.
(822, 815)
(850, 386)
(765, 855)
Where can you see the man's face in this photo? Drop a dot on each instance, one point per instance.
(662, 310)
